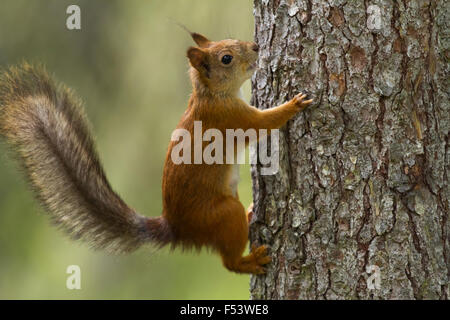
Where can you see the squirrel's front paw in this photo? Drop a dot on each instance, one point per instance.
(299, 101)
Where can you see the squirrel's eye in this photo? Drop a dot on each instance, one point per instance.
(226, 59)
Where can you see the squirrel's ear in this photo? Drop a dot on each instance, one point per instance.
(198, 59)
(200, 40)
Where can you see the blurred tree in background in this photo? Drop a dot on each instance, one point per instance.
(128, 64)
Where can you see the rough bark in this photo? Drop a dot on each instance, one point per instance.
(364, 173)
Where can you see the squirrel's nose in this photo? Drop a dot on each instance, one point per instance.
(255, 47)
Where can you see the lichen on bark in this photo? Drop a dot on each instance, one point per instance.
(363, 179)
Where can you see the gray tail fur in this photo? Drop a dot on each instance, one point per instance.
(46, 126)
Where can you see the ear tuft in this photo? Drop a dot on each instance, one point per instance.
(200, 40)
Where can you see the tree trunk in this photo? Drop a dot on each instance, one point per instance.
(359, 208)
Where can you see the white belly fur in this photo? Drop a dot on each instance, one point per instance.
(234, 179)
(235, 176)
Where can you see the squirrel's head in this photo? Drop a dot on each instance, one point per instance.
(222, 66)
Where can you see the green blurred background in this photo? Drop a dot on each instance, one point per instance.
(128, 64)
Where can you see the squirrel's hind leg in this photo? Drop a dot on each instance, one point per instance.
(252, 263)
(232, 238)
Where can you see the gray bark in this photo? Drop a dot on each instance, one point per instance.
(364, 172)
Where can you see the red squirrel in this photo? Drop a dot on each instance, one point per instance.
(45, 124)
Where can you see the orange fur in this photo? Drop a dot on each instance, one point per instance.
(199, 204)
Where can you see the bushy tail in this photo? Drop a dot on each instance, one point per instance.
(46, 125)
